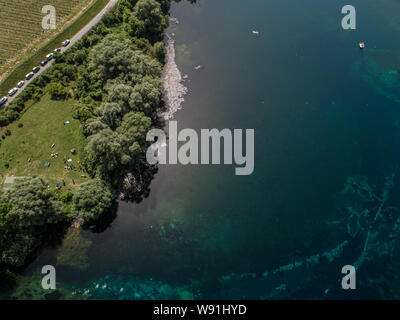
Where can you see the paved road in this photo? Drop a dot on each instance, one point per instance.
(74, 39)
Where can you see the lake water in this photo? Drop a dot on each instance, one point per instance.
(322, 111)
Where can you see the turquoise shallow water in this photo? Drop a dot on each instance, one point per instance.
(322, 111)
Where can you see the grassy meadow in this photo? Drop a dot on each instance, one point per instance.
(29, 146)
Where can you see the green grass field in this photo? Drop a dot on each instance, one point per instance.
(19, 71)
(43, 124)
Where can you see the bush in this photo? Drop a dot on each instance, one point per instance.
(159, 52)
(57, 91)
(66, 196)
(82, 112)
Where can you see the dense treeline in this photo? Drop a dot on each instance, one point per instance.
(113, 75)
(27, 212)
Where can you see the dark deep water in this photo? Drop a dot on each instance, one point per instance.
(322, 111)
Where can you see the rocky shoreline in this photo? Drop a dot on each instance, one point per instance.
(174, 90)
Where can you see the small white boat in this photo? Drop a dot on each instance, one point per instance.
(361, 45)
(255, 32)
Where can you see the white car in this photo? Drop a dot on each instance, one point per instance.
(12, 92)
(3, 100)
(49, 57)
(29, 75)
(20, 84)
(66, 42)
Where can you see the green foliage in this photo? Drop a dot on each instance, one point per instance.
(146, 96)
(82, 112)
(105, 151)
(148, 20)
(115, 58)
(57, 90)
(110, 114)
(65, 196)
(159, 51)
(26, 211)
(32, 204)
(121, 93)
(165, 5)
(63, 72)
(92, 199)
(133, 130)
(89, 86)
(93, 126)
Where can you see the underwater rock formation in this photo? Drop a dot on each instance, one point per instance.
(133, 288)
(73, 251)
(380, 69)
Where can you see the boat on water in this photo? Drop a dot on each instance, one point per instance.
(361, 45)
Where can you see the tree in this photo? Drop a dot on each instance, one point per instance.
(165, 5)
(89, 83)
(92, 199)
(146, 96)
(133, 129)
(93, 126)
(115, 58)
(26, 212)
(120, 93)
(111, 56)
(82, 112)
(57, 90)
(151, 16)
(32, 204)
(159, 51)
(110, 113)
(105, 152)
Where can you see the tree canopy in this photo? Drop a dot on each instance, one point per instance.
(115, 58)
(57, 90)
(148, 19)
(105, 151)
(26, 211)
(133, 129)
(146, 95)
(92, 199)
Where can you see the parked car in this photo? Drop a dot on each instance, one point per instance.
(43, 63)
(35, 69)
(12, 91)
(49, 57)
(66, 42)
(58, 50)
(3, 100)
(20, 84)
(29, 75)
